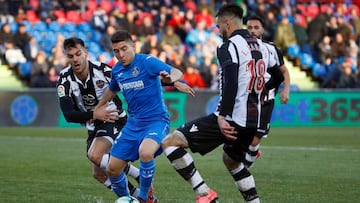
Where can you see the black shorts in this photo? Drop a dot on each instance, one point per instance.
(105, 129)
(265, 118)
(204, 135)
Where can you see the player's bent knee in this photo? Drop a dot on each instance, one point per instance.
(112, 172)
(175, 138)
(95, 158)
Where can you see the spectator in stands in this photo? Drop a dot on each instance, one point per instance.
(339, 47)
(151, 42)
(355, 22)
(171, 38)
(214, 70)
(316, 29)
(46, 10)
(345, 29)
(5, 16)
(34, 48)
(129, 23)
(193, 78)
(347, 78)
(199, 35)
(70, 5)
(271, 24)
(285, 35)
(301, 35)
(105, 40)
(21, 16)
(324, 48)
(204, 70)
(332, 27)
(53, 76)
(39, 71)
(13, 56)
(146, 27)
(204, 15)
(177, 21)
(5, 36)
(188, 25)
(22, 39)
(100, 19)
(161, 18)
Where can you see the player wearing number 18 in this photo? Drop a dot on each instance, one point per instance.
(243, 60)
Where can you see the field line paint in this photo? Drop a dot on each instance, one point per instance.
(293, 148)
(302, 148)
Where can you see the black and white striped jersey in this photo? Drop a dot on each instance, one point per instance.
(279, 58)
(243, 61)
(78, 99)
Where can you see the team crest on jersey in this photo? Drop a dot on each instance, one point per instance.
(100, 84)
(61, 90)
(135, 71)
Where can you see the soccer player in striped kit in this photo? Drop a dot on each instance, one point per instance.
(243, 60)
(255, 25)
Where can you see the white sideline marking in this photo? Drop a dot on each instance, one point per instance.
(294, 148)
(299, 148)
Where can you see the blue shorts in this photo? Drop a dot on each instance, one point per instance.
(126, 145)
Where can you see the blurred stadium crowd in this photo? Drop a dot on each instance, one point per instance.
(321, 38)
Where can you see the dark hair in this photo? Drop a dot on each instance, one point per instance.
(121, 35)
(72, 42)
(256, 17)
(230, 9)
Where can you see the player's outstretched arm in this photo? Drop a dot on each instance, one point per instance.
(101, 112)
(284, 95)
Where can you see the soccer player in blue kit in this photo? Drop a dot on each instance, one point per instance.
(137, 77)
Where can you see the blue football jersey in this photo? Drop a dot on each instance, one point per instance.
(140, 84)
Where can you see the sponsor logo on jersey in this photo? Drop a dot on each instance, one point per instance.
(61, 90)
(137, 85)
(193, 128)
(100, 83)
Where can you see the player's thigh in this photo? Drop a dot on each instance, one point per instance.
(100, 146)
(203, 134)
(237, 149)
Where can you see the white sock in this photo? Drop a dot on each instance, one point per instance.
(133, 171)
(104, 161)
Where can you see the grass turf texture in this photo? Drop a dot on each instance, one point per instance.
(297, 165)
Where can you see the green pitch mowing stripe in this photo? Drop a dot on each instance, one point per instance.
(45, 165)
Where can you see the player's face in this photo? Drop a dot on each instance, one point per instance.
(77, 57)
(255, 28)
(124, 52)
(223, 24)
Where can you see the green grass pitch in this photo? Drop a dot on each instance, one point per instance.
(48, 165)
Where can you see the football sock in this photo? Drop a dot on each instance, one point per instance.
(132, 171)
(147, 171)
(107, 183)
(104, 161)
(133, 190)
(250, 155)
(245, 183)
(119, 185)
(183, 163)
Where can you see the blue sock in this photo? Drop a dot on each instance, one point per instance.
(147, 171)
(119, 185)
